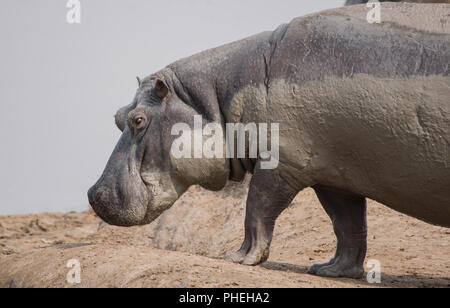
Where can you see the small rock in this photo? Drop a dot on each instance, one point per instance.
(9, 251)
(181, 285)
(34, 224)
(25, 230)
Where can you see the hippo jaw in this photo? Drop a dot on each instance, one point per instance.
(163, 194)
(114, 212)
(133, 199)
(138, 203)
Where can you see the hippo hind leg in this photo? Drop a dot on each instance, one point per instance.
(348, 215)
(268, 196)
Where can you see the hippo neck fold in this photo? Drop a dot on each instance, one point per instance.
(210, 80)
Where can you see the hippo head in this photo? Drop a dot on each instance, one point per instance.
(142, 178)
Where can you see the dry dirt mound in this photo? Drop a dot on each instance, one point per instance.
(131, 266)
(184, 246)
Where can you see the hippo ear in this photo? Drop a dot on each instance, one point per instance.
(161, 89)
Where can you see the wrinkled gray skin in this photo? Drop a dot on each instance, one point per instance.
(364, 111)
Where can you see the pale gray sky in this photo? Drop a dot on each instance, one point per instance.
(62, 83)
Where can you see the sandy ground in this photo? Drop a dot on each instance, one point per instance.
(185, 246)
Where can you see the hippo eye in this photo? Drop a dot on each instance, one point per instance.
(138, 121)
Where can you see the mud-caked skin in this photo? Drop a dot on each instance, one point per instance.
(363, 109)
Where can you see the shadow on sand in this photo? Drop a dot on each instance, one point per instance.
(390, 281)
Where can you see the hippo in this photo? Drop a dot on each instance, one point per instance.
(363, 112)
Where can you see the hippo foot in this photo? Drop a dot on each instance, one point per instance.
(253, 257)
(315, 267)
(236, 257)
(256, 256)
(337, 269)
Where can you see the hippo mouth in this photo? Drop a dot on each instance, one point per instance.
(139, 203)
(121, 197)
(116, 214)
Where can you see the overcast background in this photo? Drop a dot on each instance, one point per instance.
(62, 83)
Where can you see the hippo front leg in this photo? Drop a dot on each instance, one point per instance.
(268, 196)
(348, 215)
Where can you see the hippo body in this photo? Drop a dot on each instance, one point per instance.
(363, 111)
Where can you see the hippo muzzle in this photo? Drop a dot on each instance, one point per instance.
(120, 197)
(117, 206)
